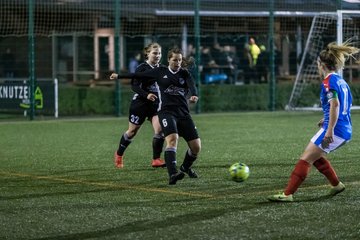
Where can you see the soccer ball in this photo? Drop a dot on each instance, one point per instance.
(239, 172)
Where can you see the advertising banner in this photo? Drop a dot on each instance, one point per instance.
(15, 95)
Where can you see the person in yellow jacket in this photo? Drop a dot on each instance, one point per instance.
(254, 50)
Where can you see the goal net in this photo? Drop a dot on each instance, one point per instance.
(326, 27)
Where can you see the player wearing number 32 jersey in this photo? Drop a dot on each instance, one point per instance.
(143, 107)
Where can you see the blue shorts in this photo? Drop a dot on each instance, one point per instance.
(319, 136)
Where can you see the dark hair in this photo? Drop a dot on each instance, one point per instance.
(186, 62)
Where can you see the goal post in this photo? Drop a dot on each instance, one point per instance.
(326, 27)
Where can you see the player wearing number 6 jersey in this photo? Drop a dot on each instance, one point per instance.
(335, 127)
(175, 84)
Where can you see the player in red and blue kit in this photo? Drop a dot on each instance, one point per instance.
(334, 87)
(336, 128)
(175, 84)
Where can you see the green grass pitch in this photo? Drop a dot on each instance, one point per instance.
(58, 181)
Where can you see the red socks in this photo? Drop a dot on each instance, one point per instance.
(302, 169)
(324, 167)
(297, 176)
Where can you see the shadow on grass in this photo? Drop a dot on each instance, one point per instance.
(148, 169)
(313, 199)
(50, 194)
(316, 199)
(80, 170)
(150, 224)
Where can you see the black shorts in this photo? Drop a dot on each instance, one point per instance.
(141, 109)
(184, 125)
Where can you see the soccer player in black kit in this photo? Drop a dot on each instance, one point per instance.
(144, 107)
(175, 84)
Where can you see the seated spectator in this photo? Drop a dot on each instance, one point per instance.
(227, 62)
(246, 64)
(134, 62)
(262, 66)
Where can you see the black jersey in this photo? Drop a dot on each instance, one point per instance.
(173, 87)
(143, 88)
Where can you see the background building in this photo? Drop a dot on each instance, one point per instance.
(75, 39)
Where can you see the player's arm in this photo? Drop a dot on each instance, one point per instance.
(321, 122)
(142, 76)
(150, 75)
(192, 88)
(136, 87)
(333, 100)
(136, 79)
(114, 76)
(334, 111)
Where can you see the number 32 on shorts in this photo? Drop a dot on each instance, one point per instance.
(134, 119)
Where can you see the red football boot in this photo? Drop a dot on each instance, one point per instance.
(158, 163)
(118, 161)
